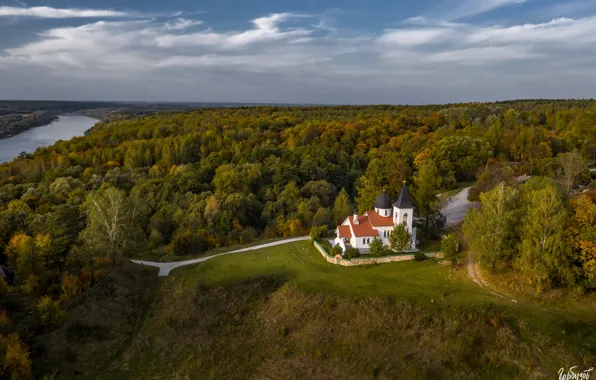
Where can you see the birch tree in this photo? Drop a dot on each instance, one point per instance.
(112, 227)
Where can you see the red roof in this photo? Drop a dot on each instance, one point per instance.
(344, 231)
(379, 221)
(363, 228)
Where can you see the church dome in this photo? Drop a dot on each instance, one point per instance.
(383, 201)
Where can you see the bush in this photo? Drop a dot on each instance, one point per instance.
(326, 245)
(351, 253)
(450, 248)
(71, 287)
(337, 250)
(187, 243)
(49, 310)
(318, 232)
(419, 256)
(377, 247)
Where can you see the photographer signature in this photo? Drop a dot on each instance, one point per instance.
(571, 375)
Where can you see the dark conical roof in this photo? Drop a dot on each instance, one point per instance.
(404, 199)
(383, 201)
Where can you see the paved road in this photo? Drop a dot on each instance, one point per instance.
(457, 208)
(166, 268)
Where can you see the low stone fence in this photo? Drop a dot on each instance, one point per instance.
(338, 260)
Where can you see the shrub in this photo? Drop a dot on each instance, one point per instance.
(450, 248)
(376, 247)
(187, 243)
(351, 253)
(71, 287)
(49, 310)
(419, 256)
(318, 232)
(337, 250)
(326, 245)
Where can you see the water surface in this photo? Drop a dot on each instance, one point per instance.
(65, 128)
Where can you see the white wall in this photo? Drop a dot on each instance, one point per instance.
(399, 216)
(381, 211)
(385, 240)
(356, 242)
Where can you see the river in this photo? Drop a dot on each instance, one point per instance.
(65, 128)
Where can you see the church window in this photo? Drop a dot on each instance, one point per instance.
(363, 241)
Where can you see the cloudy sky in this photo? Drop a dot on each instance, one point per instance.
(308, 51)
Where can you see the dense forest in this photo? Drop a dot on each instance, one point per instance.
(17, 116)
(179, 183)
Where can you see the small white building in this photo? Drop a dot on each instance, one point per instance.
(358, 231)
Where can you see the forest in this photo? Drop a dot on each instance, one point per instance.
(182, 183)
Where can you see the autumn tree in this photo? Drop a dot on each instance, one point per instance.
(581, 235)
(571, 165)
(16, 363)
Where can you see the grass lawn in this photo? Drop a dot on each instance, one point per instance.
(304, 266)
(427, 283)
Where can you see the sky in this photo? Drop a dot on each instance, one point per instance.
(308, 51)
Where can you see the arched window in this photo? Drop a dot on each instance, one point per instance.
(406, 219)
(368, 241)
(386, 212)
(363, 241)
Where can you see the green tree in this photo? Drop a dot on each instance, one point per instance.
(450, 248)
(545, 255)
(342, 207)
(491, 229)
(400, 239)
(427, 181)
(376, 247)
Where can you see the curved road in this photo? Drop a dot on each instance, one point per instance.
(457, 208)
(166, 268)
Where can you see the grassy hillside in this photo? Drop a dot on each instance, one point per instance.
(284, 313)
(95, 332)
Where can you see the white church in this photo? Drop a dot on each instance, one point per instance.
(358, 231)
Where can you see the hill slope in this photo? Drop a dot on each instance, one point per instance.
(311, 320)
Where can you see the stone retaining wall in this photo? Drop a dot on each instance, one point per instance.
(338, 260)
